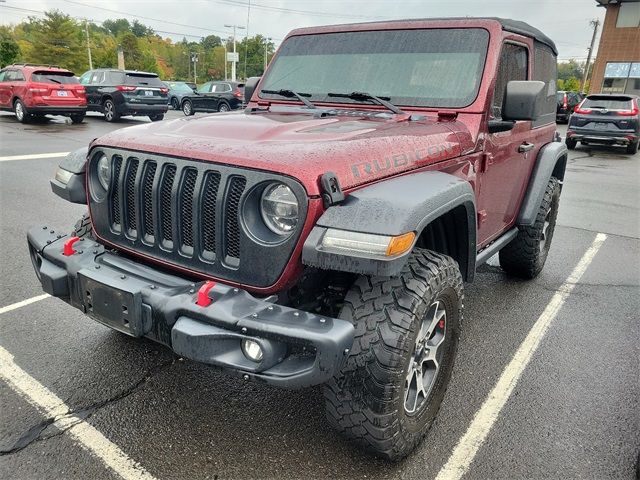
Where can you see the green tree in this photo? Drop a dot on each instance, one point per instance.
(9, 50)
(140, 30)
(59, 40)
(570, 84)
(252, 52)
(117, 27)
(569, 69)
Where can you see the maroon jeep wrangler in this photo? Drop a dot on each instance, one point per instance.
(323, 235)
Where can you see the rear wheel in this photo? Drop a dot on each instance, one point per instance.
(526, 254)
(393, 382)
(21, 112)
(187, 108)
(77, 118)
(157, 117)
(175, 104)
(571, 144)
(224, 107)
(632, 148)
(109, 110)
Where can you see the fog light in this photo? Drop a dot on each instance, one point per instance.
(252, 350)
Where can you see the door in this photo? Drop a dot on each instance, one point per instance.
(509, 155)
(5, 96)
(203, 99)
(90, 90)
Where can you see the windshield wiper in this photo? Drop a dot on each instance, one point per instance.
(291, 94)
(54, 80)
(362, 96)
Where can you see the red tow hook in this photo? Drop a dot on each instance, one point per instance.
(203, 294)
(68, 250)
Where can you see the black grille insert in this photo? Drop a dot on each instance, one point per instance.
(165, 213)
(186, 223)
(115, 192)
(208, 212)
(130, 195)
(232, 221)
(147, 198)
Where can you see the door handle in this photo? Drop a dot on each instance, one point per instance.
(525, 147)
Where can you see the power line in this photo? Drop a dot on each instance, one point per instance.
(313, 13)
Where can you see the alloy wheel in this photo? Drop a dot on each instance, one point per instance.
(19, 111)
(425, 360)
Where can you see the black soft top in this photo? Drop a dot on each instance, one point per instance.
(514, 26)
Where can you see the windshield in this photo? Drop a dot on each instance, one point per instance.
(53, 77)
(430, 68)
(179, 87)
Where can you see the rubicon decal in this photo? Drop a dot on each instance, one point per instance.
(401, 161)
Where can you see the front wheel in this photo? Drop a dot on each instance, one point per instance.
(526, 254)
(157, 117)
(187, 108)
(175, 104)
(390, 389)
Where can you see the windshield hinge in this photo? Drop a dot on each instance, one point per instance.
(447, 115)
(331, 190)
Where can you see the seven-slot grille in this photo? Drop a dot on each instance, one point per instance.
(193, 214)
(144, 196)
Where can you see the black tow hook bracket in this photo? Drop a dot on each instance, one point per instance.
(331, 190)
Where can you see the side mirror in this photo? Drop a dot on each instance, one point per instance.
(250, 87)
(522, 100)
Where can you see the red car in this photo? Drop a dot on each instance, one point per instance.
(37, 90)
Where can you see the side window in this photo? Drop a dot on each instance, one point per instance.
(514, 62)
(224, 87)
(545, 70)
(204, 88)
(97, 78)
(86, 78)
(2, 75)
(10, 76)
(18, 76)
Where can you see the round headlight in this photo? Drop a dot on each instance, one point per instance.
(279, 208)
(104, 172)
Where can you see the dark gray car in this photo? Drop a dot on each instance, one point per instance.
(606, 119)
(177, 91)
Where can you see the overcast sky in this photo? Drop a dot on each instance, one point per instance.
(565, 21)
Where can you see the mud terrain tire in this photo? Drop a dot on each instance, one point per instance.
(526, 254)
(83, 228)
(373, 399)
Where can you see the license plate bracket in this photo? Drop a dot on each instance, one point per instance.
(114, 306)
(148, 93)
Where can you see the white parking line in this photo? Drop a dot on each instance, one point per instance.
(23, 303)
(469, 444)
(34, 156)
(82, 432)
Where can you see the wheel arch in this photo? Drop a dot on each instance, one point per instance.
(551, 162)
(438, 207)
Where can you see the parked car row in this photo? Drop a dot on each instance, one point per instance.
(32, 91)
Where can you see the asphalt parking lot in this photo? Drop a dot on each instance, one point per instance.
(571, 411)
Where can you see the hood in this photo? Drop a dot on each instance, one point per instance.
(358, 147)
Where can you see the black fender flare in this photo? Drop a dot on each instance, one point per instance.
(73, 190)
(551, 161)
(393, 207)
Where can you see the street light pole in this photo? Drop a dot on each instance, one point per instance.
(266, 46)
(233, 63)
(86, 31)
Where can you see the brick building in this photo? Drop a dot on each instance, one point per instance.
(617, 65)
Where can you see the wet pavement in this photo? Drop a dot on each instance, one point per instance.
(575, 412)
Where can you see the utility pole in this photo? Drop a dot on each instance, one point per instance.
(266, 46)
(595, 24)
(194, 59)
(226, 48)
(235, 59)
(86, 31)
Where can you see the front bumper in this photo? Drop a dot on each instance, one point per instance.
(300, 348)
